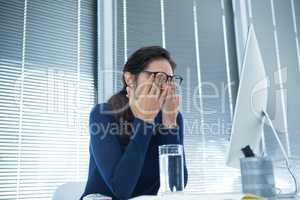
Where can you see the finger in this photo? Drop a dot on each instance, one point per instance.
(177, 100)
(159, 81)
(173, 86)
(157, 92)
(172, 92)
(163, 95)
(147, 85)
(168, 96)
(154, 91)
(158, 84)
(170, 87)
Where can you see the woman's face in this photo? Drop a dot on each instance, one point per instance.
(161, 65)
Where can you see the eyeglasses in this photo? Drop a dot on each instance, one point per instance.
(163, 77)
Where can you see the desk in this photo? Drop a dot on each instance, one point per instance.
(180, 196)
(187, 196)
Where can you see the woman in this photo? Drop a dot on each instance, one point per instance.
(127, 130)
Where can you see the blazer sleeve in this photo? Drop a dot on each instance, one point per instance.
(175, 136)
(119, 170)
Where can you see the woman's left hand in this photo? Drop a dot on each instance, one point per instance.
(171, 106)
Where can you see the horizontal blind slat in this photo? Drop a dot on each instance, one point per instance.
(46, 147)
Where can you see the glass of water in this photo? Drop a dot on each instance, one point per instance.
(171, 168)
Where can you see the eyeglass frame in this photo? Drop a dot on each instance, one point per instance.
(169, 77)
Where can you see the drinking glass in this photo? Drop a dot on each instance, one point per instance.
(171, 168)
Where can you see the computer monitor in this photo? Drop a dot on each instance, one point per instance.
(250, 115)
(252, 97)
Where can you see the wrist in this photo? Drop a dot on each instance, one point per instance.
(145, 119)
(169, 126)
(169, 121)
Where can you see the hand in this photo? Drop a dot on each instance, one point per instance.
(148, 103)
(170, 106)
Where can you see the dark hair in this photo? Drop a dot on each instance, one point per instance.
(136, 63)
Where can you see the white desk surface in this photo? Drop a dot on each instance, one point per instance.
(186, 196)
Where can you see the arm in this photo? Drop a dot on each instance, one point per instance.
(119, 170)
(175, 136)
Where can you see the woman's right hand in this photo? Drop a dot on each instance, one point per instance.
(147, 104)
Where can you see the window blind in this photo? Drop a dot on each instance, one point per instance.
(200, 36)
(47, 59)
